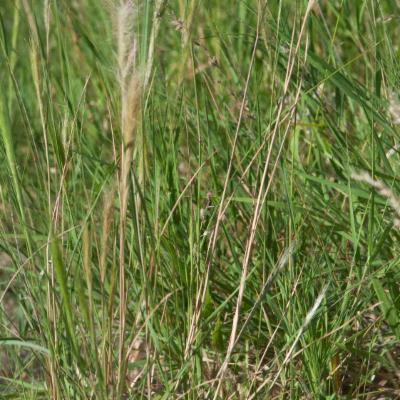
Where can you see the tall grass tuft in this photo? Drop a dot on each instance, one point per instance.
(178, 216)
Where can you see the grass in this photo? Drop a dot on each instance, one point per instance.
(199, 200)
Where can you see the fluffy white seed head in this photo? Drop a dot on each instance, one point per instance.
(383, 190)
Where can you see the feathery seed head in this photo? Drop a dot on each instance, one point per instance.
(383, 190)
(130, 79)
(394, 108)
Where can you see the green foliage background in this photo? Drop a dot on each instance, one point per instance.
(219, 69)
